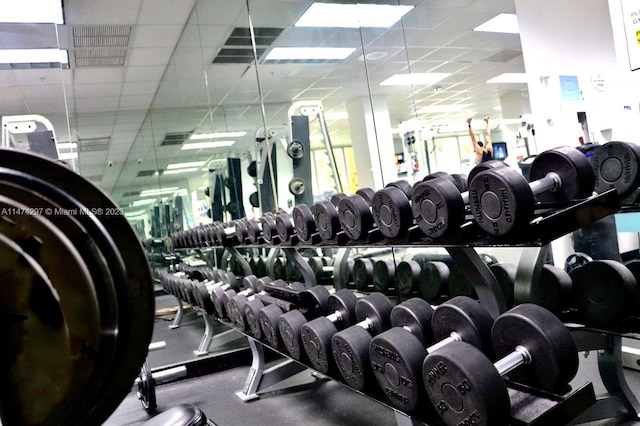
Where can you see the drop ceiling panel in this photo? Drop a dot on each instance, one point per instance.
(93, 12)
(39, 76)
(101, 104)
(136, 102)
(149, 56)
(275, 13)
(90, 76)
(97, 90)
(426, 17)
(144, 73)
(44, 91)
(165, 11)
(27, 36)
(139, 88)
(221, 12)
(156, 35)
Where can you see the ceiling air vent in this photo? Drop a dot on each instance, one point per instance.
(175, 138)
(101, 35)
(85, 58)
(93, 144)
(145, 173)
(238, 48)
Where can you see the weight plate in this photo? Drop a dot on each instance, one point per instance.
(297, 186)
(38, 371)
(252, 169)
(433, 279)
(602, 291)
(350, 350)
(384, 272)
(284, 226)
(251, 311)
(304, 222)
(326, 219)
(464, 387)
(367, 194)
(254, 199)
(501, 201)
(290, 328)
(553, 289)
(392, 212)
(147, 389)
(554, 356)
(574, 169)
(616, 165)
(487, 165)
(414, 315)
(135, 294)
(376, 308)
(295, 149)
(407, 278)
(396, 360)
(355, 216)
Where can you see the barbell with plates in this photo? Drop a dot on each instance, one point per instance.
(291, 324)
(350, 346)
(502, 202)
(603, 291)
(114, 293)
(398, 353)
(533, 347)
(438, 202)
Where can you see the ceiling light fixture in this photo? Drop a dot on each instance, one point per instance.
(414, 79)
(143, 202)
(33, 56)
(154, 192)
(33, 12)
(509, 77)
(207, 145)
(352, 15)
(176, 171)
(436, 109)
(503, 23)
(200, 136)
(188, 165)
(309, 53)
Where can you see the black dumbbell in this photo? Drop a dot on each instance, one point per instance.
(236, 304)
(438, 202)
(327, 221)
(362, 273)
(603, 291)
(286, 229)
(252, 285)
(398, 353)
(502, 202)
(553, 289)
(356, 217)
(225, 233)
(321, 268)
(384, 275)
(391, 209)
(534, 347)
(269, 229)
(350, 347)
(255, 303)
(270, 314)
(293, 326)
(254, 231)
(576, 260)
(407, 278)
(305, 224)
(217, 294)
(616, 165)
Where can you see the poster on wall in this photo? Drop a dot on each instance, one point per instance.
(631, 19)
(570, 88)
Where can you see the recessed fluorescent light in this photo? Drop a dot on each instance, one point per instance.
(154, 192)
(414, 79)
(176, 171)
(205, 145)
(68, 156)
(503, 23)
(67, 145)
(143, 202)
(352, 15)
(200, 136)
(175, 166)
(509, 77)
(435, 109)
(33, 56)
(309, 53)
(33, 11)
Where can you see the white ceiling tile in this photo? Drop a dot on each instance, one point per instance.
(136, 101)
(139, 88)
(144, 73)
(97, 104)
(139, 57)
(98, 12)
(165, 11)
(148, 35)
(8, 78)
(28, 36)
(102, 75)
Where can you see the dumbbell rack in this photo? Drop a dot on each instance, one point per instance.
(548, 225)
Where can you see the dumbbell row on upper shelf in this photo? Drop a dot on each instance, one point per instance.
(499, 201)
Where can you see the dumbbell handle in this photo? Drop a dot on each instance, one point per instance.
(366, 323)
(518, 357)
(334, 317)
(550, 182)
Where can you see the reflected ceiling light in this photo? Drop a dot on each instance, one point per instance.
(33, 56)
(205, 145)
(336, 115)
(352, 15)
(154, 192)
(68, 156)
(435, 109)
(414, 79)
(143, 202)
(191, 164)
(176, 171)
(200, 136)
(67, 145)
(503, 23)
(33, 11)
(373, 56)
(509, 77)
(309, 53)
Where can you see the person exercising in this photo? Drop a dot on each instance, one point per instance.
(484, 151)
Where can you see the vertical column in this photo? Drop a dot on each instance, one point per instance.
(372, 141)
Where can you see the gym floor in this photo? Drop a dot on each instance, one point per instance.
(301, 399)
